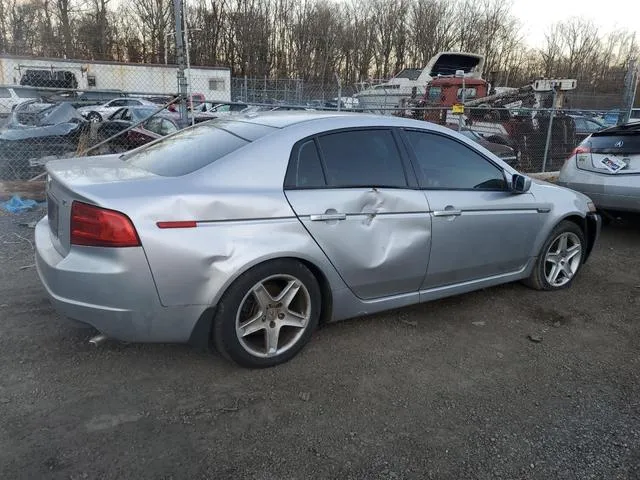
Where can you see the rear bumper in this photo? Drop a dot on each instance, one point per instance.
(111, 290)
(608, 192)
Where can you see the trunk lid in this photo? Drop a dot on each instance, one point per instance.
(615, 151)
(71, 179)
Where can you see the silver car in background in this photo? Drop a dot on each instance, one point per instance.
(245, 232)
(606, 167)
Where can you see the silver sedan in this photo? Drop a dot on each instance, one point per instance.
(244, 233)
(606, 167)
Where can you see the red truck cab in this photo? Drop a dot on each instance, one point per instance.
(447, 91)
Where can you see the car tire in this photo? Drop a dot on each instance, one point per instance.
(268, 314)
(560, 258)
(94, 117)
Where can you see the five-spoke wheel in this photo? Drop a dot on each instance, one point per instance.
(560, 258)
(268, 314)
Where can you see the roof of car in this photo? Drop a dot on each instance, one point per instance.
(285, 118)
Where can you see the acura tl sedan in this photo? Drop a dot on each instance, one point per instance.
(244, 233)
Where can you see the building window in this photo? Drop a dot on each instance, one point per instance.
(216, 84)
(91, 80)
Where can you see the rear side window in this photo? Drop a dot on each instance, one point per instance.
(186, 151)
(4, 93)
(362, 158)
(305, 168)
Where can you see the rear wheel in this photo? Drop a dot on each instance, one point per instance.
(268, 314)
(560, 259)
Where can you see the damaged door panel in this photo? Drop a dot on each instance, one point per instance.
(377, 239)
(350, 190)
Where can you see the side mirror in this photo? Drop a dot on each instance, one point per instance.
(520, 183)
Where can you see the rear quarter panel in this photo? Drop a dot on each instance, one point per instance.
(243, 219)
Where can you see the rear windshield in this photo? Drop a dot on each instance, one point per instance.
(193, 148)
(615, 140)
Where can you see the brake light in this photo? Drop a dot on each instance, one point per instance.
(580, 149)
(99, 227)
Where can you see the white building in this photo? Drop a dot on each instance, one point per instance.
(213, 82)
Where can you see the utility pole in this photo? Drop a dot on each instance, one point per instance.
(182, 81)
(547, 145)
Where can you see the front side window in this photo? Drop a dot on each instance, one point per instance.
(362, 158)
(118, 115)
(444, 163)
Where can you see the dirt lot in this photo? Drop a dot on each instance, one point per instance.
(450, 389)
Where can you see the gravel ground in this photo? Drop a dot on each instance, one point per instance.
(449, 389)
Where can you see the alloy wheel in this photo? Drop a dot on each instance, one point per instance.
(273, 315)
(562, 259)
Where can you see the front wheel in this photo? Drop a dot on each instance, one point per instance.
(560, 259)
(94, 117)
(268, 314)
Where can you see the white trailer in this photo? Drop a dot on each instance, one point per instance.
(142, 78)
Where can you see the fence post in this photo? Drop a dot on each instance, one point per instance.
(182, 81)
(631, 84)
(339, 89)
(246, 90)
(549, 129)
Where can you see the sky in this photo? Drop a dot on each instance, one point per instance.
(538, 15)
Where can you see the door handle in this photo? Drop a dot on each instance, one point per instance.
(328, 216)
(447, 213)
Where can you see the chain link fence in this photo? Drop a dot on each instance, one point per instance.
(116, 109)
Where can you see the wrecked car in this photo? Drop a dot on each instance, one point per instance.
(36, 133)
(243, 233)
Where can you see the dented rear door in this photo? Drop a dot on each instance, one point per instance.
(350, 191)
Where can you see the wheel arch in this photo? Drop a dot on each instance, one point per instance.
(201, 335)
(590, 229)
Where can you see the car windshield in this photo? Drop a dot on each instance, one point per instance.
(434, 93)
(205, 143)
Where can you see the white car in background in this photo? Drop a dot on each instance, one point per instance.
(97, 113)
(15, 95)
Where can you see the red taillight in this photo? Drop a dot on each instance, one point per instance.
(576, 151)
(580, 149)
(99, 227)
